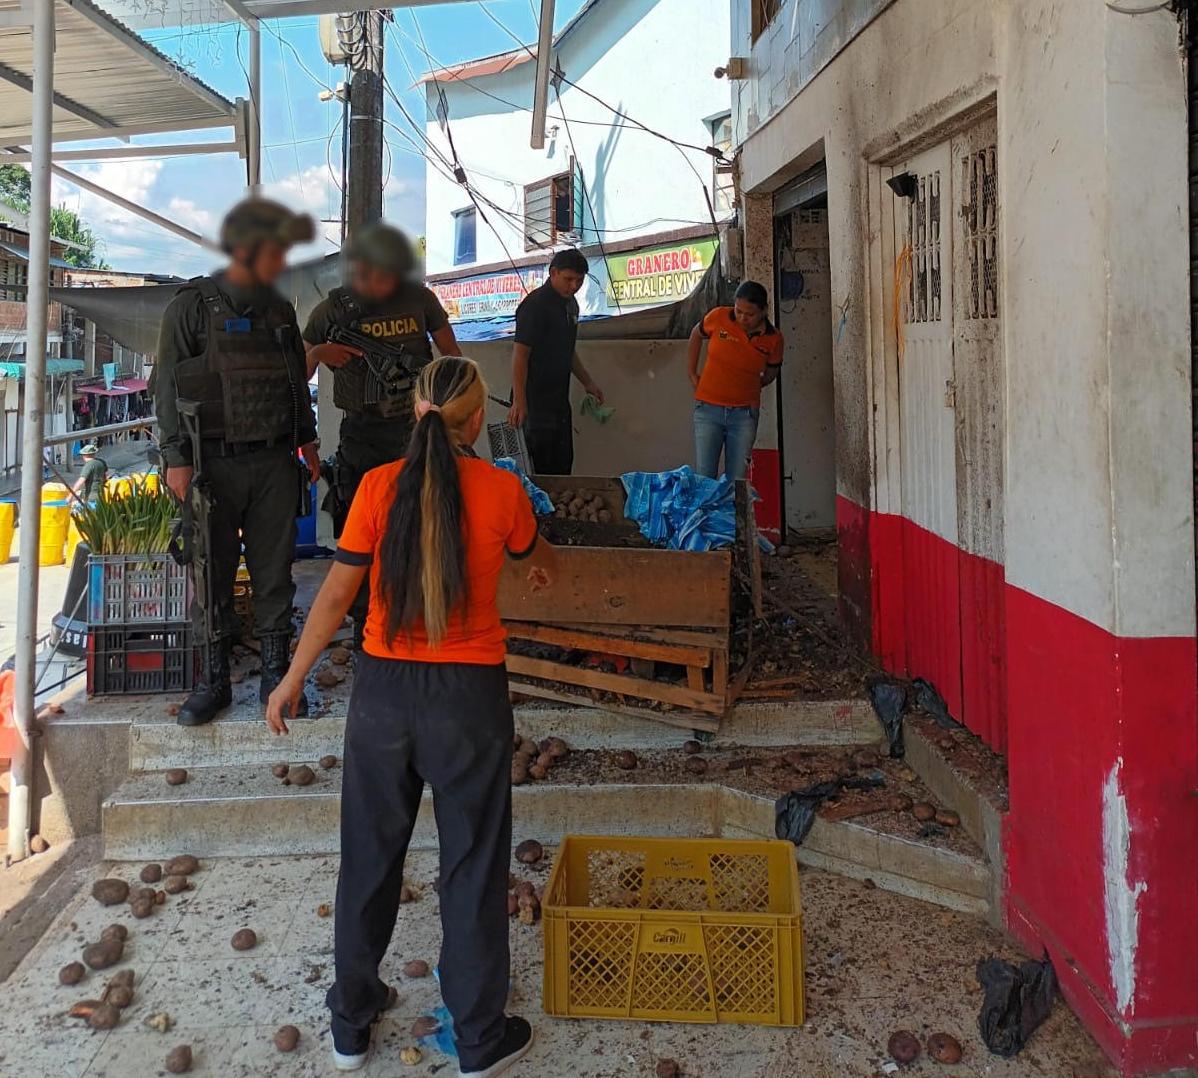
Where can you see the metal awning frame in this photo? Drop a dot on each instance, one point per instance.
(244, 118)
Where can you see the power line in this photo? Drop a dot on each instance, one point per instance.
(614, 111)
(681, 147)
(441, 68)
(299, 172)
(586, 194)
(459, 174)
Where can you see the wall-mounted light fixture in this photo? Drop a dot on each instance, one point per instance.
(905, 184)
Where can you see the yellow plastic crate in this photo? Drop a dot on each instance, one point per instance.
(674, 930)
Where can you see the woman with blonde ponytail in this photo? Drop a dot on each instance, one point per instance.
(429, 704)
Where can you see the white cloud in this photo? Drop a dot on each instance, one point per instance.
(185, 212)
(130, 241)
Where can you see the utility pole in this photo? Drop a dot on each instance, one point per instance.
(364, 188)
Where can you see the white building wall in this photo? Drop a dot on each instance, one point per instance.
(653, 58)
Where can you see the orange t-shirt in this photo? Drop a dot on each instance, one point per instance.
(731, 377)
(498, 522)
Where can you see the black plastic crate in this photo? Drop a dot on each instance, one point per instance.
(126, 590)
(134, 659)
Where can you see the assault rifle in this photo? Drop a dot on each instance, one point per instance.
(389, 363)
(191, 532)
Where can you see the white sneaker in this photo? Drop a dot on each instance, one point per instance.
(350, 1063)
(355, 1062)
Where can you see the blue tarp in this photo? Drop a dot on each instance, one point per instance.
(681, 510)
(541, 502)
(53, 367)
(496, 329)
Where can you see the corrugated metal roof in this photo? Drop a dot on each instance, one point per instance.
(102, 70)
(23, 254)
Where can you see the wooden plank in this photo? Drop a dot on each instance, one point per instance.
(631, 686)
(711, 638)
(748, 552)
(685, 720)
(589, 641)
(694, 679)
(742, 675)
(614, 586)
(719, 674)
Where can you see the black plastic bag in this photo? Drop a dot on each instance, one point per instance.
(794, 813)
(889, 699)
(1017, 1000)
(927, 698)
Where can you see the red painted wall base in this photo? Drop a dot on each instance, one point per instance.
(1098, 729)
(1105, 728)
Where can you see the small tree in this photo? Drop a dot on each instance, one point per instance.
(15, 187)
(65, 224)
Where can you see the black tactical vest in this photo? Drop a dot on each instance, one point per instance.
(355, 387)
(245, 377)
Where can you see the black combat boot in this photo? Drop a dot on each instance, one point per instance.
(214, 693)
(276, 658)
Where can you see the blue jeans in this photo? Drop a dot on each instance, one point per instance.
(731, 431)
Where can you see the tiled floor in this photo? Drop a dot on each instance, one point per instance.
(876, 962)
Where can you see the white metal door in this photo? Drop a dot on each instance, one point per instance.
(980, 382)
(924, 282)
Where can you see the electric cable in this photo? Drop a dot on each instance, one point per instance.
(586, 194)
(299, 172)
(459, 174)
(439, 67)
(711, 151)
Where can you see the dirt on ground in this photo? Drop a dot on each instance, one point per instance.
(798, 648)
(561, 531)
(879, 792)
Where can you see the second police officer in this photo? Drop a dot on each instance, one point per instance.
(384, 301)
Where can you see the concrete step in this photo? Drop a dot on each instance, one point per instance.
(245, 811)
(157, 742)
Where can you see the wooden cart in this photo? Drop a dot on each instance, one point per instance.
(646, 611)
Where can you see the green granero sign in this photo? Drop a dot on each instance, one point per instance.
(656, 275)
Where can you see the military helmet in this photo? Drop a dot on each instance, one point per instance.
(262, 220)
(382, 246)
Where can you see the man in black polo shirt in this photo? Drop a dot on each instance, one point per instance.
(543, 359)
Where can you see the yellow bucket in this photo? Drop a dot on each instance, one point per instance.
(119, 486)
(56, 519)
(8, 521)
(73, 540)
(55, 492)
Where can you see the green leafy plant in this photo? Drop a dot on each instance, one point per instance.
(136, 522)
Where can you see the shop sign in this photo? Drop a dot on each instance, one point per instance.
(657, 274)
(492, 295)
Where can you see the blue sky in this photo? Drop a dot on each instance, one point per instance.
(301, 162)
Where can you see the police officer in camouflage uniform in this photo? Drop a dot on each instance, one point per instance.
(383, 300)
(231, 343)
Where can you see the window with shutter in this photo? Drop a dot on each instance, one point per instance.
(553, 210)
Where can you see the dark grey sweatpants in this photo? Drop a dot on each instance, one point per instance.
(450, 725)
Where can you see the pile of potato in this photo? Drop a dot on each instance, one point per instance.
(580, 505)
(534, 761)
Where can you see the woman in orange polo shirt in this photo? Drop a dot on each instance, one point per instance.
(744, 353)
(430, 704)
